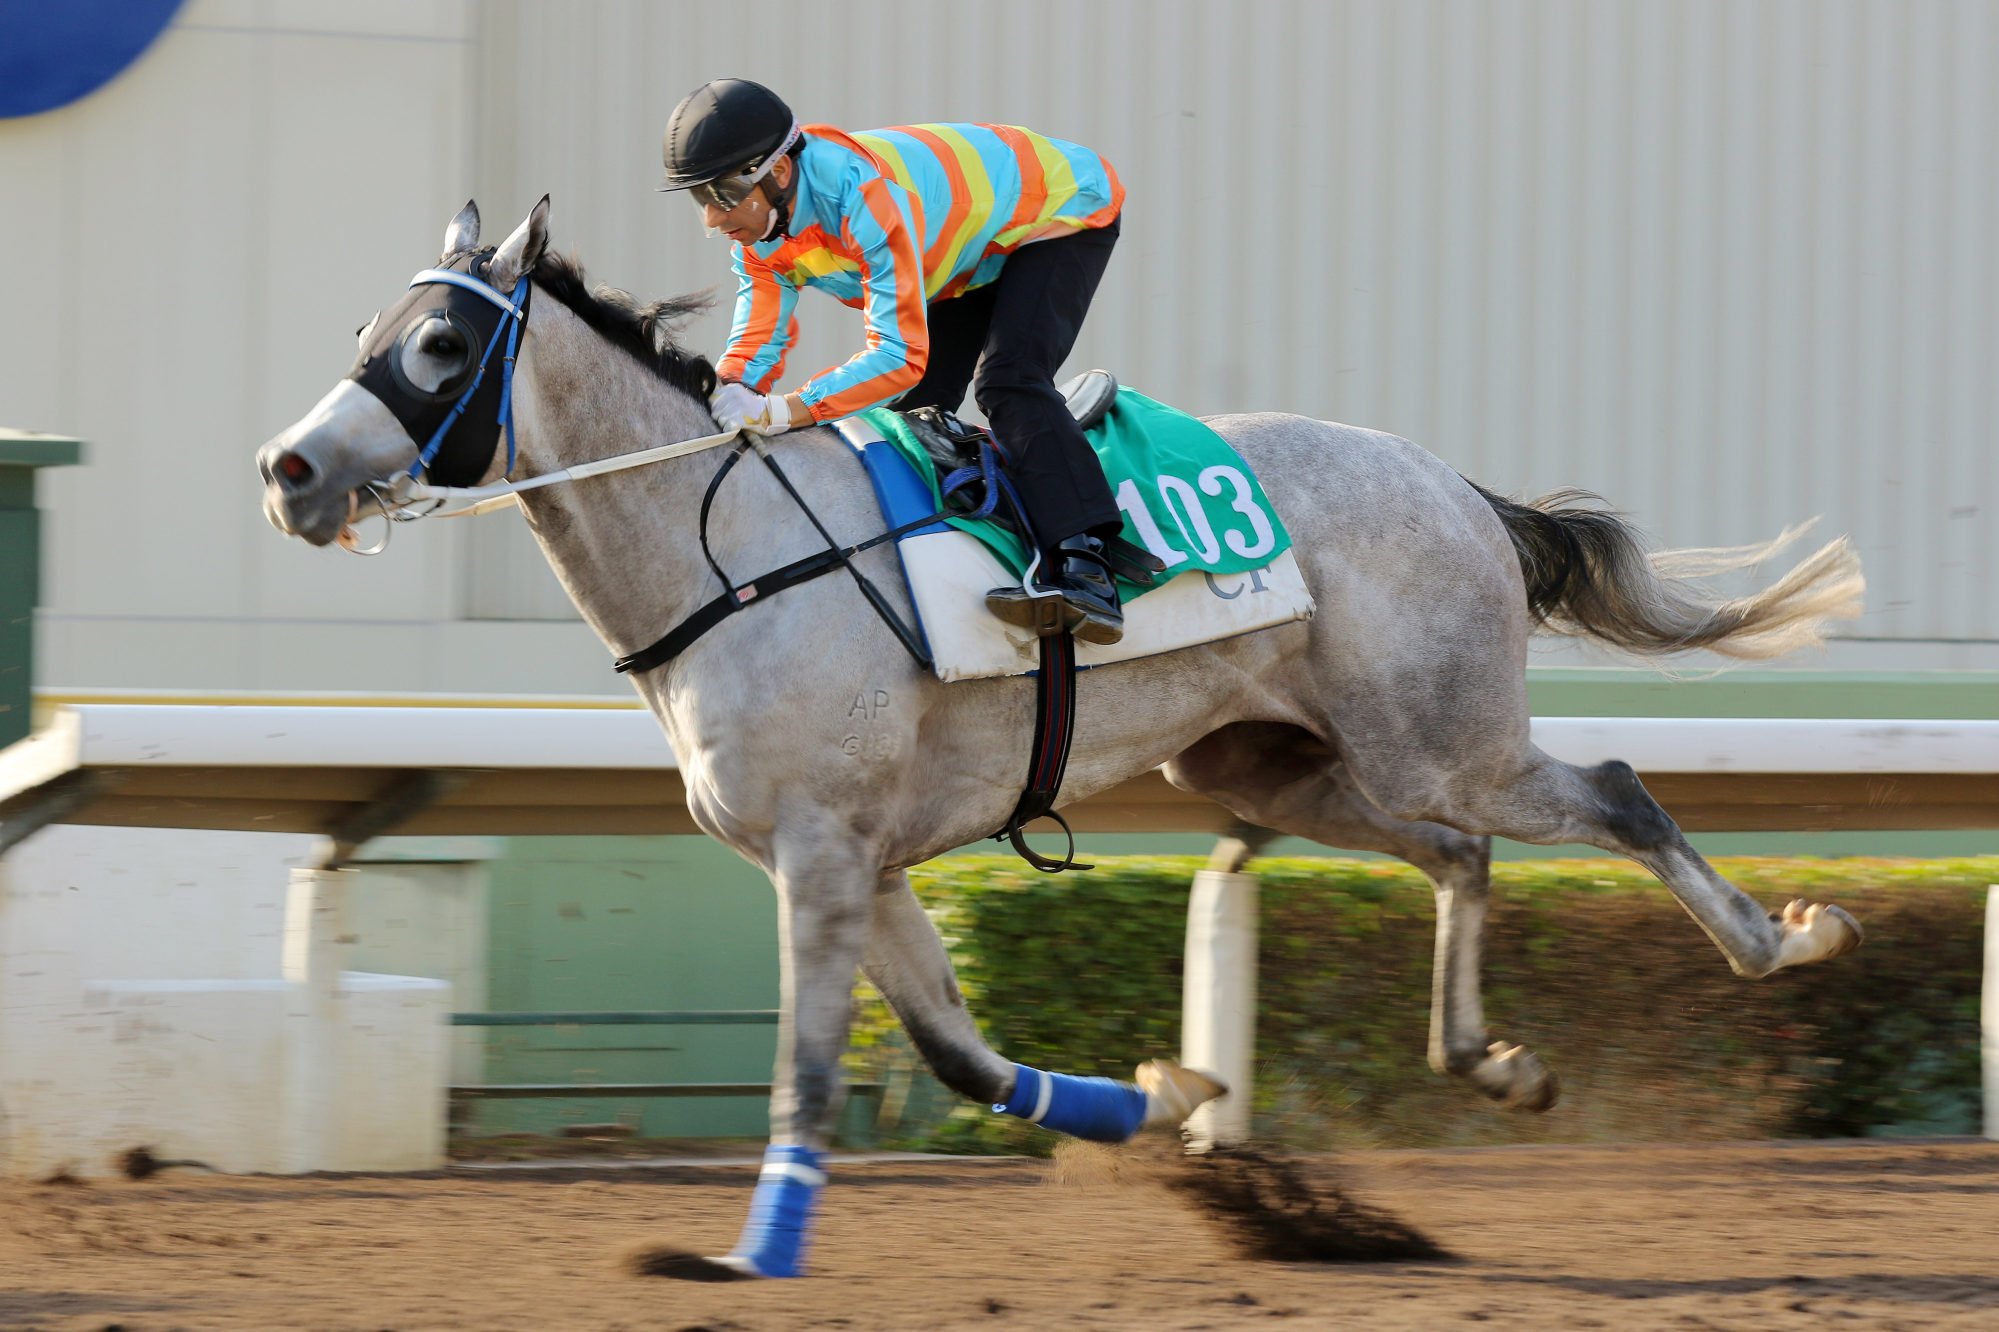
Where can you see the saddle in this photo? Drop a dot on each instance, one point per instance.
(959, 452)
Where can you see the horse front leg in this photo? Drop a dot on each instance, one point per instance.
(823, 891)
(906, 961)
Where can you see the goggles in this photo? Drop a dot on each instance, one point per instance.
(728, 192)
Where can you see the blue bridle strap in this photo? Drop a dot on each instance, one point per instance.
(515, 318)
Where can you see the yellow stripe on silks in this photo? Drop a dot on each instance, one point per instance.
(978, 182)
(888, 153)
(822, 263)
(899, 169)
(1058, 174)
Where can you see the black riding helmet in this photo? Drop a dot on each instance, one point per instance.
(726, 128)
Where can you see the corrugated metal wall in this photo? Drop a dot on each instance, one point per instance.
(1730, 264)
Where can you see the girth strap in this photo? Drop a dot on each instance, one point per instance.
(733, 598)
(683, 635)
(1054, 731)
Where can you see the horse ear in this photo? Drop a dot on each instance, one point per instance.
(522, 250)
(463, 233)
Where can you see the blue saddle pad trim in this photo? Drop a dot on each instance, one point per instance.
(904, 496)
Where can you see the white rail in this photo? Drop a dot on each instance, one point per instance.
(139, 734)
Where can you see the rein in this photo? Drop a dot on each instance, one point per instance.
(396, 494)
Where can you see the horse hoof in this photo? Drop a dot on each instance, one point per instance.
(1172, 1093)
(1815, 932)
(1517, 1078)
(680, 1265)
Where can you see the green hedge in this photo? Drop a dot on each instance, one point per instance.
(1589, 962)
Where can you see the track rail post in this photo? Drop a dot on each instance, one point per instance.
(1218, 1002)
(1989, 1018)
(316, 943)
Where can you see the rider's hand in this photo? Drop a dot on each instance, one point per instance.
(737, 408)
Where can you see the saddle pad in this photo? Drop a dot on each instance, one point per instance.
(949, 573)
(1185, 494)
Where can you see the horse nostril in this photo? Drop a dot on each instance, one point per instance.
(295, 470)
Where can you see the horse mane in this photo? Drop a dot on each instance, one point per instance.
(642, 331)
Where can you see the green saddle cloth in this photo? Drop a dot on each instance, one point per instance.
(1185, 494)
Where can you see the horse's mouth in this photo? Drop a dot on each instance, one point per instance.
(316, 517)
(317, 473)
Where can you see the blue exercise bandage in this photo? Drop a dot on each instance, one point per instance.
(773, 1241)
(1100, 1109)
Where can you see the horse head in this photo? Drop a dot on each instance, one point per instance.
(428, 394)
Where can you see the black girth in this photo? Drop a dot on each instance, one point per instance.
(1055, 685)
(1054, 728)
(734, 597)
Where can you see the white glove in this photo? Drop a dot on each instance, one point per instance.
(737, 408)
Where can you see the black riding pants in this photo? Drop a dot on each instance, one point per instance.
(1007, 339)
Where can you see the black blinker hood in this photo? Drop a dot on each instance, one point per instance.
(466, 452)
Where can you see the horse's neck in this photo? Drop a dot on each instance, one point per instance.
(626, 545)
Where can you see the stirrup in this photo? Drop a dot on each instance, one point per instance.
(1098, 629)
(1043, 612)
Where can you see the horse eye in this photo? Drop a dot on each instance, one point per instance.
(442, 341)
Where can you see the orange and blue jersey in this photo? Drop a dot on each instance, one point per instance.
(890, 220)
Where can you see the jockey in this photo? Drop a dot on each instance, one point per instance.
(966, 247)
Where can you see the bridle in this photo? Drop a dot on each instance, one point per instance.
(442, 458)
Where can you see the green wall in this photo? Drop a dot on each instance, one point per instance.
(605, 923)
(1626, 692)
(21, 455)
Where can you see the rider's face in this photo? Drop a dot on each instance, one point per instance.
(747, 222)
(744, 223)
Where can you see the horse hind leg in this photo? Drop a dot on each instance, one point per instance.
(1547, 801)
(1284, 778)
(906, 961)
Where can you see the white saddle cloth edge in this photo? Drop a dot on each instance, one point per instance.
(950, 572)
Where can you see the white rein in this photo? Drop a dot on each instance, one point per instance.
(396, 494)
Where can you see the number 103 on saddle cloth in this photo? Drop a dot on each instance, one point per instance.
(1186, 496)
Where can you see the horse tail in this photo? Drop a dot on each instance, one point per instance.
(1589, 575)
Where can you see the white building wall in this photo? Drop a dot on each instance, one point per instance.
(1727, 263)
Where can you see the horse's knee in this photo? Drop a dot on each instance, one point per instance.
(966, 1071)
(1629, 813)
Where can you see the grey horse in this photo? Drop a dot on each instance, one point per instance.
(1395, 721)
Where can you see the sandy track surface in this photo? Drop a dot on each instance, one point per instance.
(1897, 1235)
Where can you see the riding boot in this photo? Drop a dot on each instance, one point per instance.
(1073, 592)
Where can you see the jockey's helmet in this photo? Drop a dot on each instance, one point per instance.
(723, 138)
